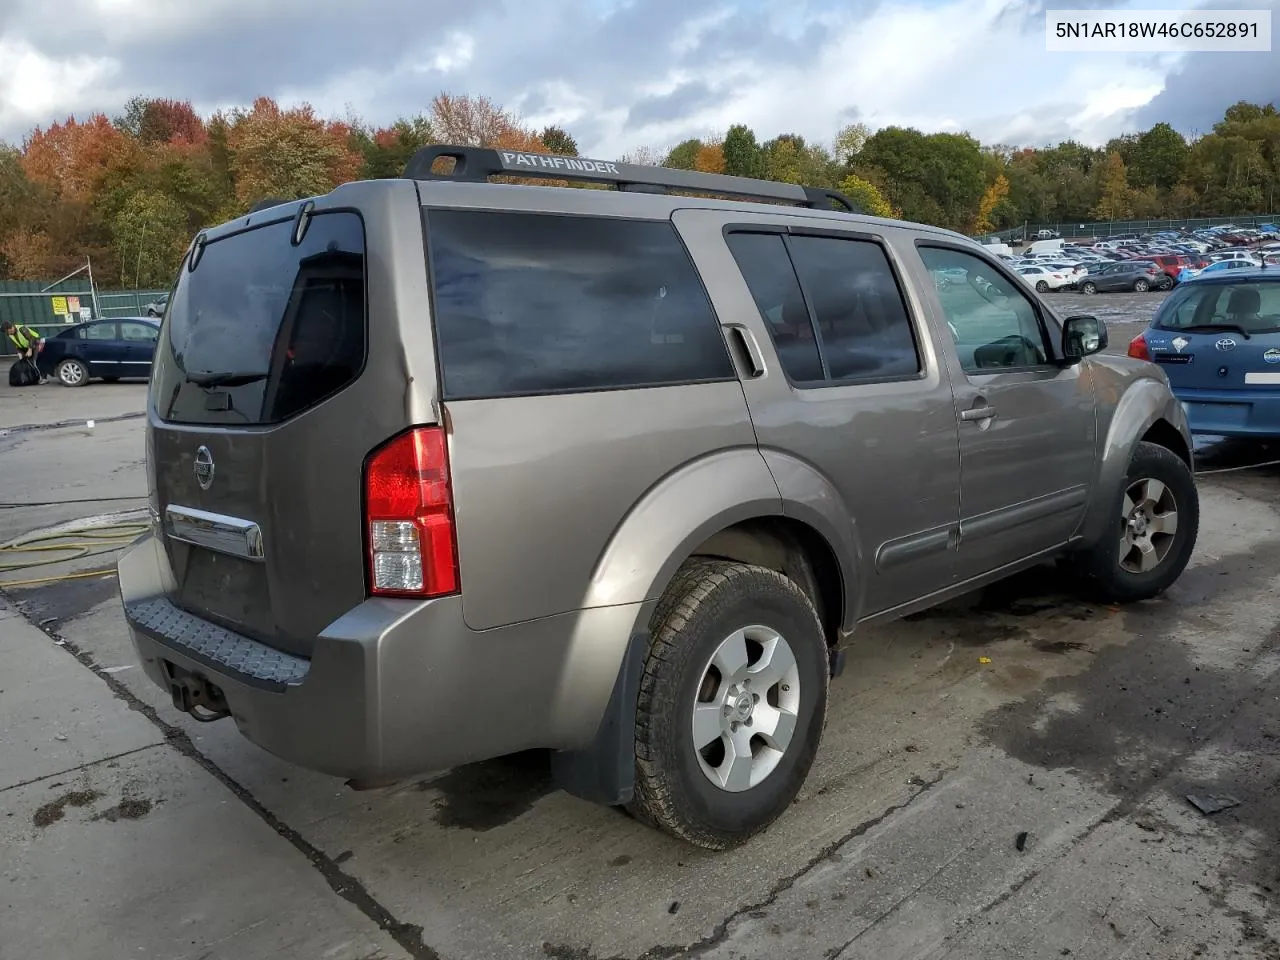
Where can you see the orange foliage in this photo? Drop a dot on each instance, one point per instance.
(30, 255)
(74, 159)
(710, 159)
(288, 154)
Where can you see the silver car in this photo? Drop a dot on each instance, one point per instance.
(443, 469)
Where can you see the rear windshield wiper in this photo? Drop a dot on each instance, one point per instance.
(224, 379)
(1213, 327)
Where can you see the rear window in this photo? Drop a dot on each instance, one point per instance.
(538, 303)
(1252, 306)
(261, 329)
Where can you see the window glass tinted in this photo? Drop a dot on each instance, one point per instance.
(862, 321)
(100, 331)
(536, 303)
(763, 260)
(271, 327)
(994, 324)
(137, 331)
(1255, 306)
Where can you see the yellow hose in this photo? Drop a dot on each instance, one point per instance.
(94, 541)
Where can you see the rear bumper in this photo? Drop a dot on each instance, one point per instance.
(1231, 413)
(393, 687)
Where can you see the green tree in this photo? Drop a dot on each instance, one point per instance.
(742, 155)
(150, 236)
(684, 155)
(1159, 158)
(557, 140)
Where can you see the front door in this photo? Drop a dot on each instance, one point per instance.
(1028, 434)
(856, 393)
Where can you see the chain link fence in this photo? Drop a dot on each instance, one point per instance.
(49, 308)
(1110, 228)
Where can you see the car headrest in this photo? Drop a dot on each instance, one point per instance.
(1244, 300)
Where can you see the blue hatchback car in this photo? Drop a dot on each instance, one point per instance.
(1217, 338)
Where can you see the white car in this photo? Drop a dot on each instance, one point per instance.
(1045, 278)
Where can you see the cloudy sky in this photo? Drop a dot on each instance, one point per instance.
(624, 73)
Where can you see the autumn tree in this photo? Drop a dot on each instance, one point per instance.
(154, 120)
(74, 159)
(387, 151)
(867, 196)
(1114, 196)
(992, 197)
(287, 154)
(849, 142)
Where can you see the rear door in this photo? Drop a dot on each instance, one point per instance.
(581, 365)
(857, 392)
(272, 383)
(139, 342)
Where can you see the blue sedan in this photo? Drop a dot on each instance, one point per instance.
(100, 349)
(1217, 338)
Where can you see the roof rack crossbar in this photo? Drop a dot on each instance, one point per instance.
(478, 164)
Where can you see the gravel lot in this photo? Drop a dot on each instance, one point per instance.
(1032, 806)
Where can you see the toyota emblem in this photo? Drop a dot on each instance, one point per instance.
(204, 468)
(1226, 343)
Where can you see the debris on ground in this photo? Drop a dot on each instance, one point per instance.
(1021, 841)
(1211, 803)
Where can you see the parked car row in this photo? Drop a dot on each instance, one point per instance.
(1137, 263)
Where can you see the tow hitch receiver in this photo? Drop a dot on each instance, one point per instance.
(195, 695)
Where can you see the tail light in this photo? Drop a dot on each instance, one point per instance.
(1138, 348)
(409, 521)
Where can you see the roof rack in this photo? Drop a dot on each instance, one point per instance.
(478, 164)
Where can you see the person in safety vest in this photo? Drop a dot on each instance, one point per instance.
(26, 340)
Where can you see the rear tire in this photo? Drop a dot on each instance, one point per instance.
(1042, 287)
(1141, 286)
(698, 700)
(1158, 491)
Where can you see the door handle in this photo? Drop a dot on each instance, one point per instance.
(979, 414)
(750, 349)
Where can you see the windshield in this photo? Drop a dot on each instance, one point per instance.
(1251, 306)
(263, 329)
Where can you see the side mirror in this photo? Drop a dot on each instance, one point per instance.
(1081, 337)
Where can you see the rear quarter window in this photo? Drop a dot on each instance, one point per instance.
(529, 303)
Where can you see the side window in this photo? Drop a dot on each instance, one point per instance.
(994, 325)
(536, 303)
(763, 260)
(138, 332)
(863, 326)
(100, 331)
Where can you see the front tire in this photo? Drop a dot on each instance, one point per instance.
(732, 703)
(72, 373)
(1088, 288)
(1157, 521)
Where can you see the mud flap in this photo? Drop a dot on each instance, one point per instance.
(605, 770)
